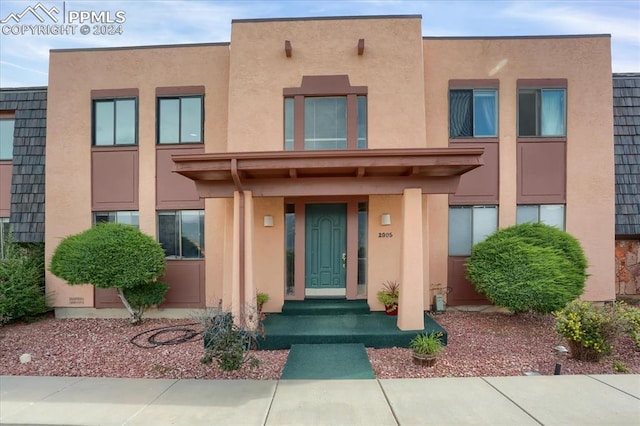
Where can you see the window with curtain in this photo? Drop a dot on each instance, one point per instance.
(469, 225)
(542, 112)
(180, 120)
(6, 138)
(115, 122)
(181, 233)
(550, 214)
(473, 113)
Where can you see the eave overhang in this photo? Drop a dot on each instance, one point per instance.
(341, 172)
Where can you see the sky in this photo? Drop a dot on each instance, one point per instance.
(24, 56)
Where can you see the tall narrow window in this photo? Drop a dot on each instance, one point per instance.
(473, 113)
(181, 233)
(362, 122)
(114, 122)
(289, 119)
(469, 225)
(362, 248)
(6, 138)
(290, 234)
(180, 120)
(542, 112)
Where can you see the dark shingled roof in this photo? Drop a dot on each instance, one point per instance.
(626, 130)
(28, 174)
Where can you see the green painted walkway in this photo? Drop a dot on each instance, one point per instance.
(328, 361)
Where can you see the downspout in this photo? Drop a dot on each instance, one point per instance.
(241, 231)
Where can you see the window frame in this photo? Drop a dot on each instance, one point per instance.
(114, 100)
(159, 99)
(473, 208)
(179, 239)
(539, 86)
(539, 213)
(5, 231)
(13, 120)
(114, 215)
(324, 86)
(474, 91)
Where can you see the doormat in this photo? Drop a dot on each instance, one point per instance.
(327, 362)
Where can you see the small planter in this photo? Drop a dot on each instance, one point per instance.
(424, 359)
(391, 310)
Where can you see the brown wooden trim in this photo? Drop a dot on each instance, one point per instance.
(473, 140)
(103, 148)
(325, 85)
(327, 186)
(361, 47)
(493, 83)
(180, 91)
(542, 82)
(7, 114)
(114, 93)
(287, 48)
(539, 139)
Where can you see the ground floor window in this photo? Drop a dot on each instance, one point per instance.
(290, 233)
(469, 225)
(181, 233)
(550, 214)
(124, 217)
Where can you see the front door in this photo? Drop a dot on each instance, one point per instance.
(325, 250)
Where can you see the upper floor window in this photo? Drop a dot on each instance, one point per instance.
(124, 217)
(542, 112)
(180, 119)
(550, 214)
(473, 113)
(469, 225)
(6, 138)
(181, 233)
(115, 122)
(325, 113)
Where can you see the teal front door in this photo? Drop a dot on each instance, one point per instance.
(325, 249)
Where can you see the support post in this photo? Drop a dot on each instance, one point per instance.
(411, 302)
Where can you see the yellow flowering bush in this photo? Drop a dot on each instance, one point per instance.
(630, 316)
(589, 329)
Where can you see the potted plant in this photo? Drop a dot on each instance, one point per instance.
(388, 296)
(261, 299)
(426, 348)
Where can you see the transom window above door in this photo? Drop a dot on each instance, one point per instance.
(313, 121)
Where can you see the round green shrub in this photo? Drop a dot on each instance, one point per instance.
(109, 255)
(112, 255)
(528, 267)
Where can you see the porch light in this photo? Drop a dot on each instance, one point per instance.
(385, 219)
(267, 221)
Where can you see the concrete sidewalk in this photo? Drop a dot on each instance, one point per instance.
(547, 400)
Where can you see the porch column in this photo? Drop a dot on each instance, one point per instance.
(235, 256)
(249, 284)
(411, 303)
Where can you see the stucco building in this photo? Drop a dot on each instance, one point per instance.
(322, 157)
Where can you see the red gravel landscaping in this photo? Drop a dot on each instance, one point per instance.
(480, 344)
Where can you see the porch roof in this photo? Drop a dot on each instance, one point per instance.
(340, 172)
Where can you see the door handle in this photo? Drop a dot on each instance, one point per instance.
(344, 260)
